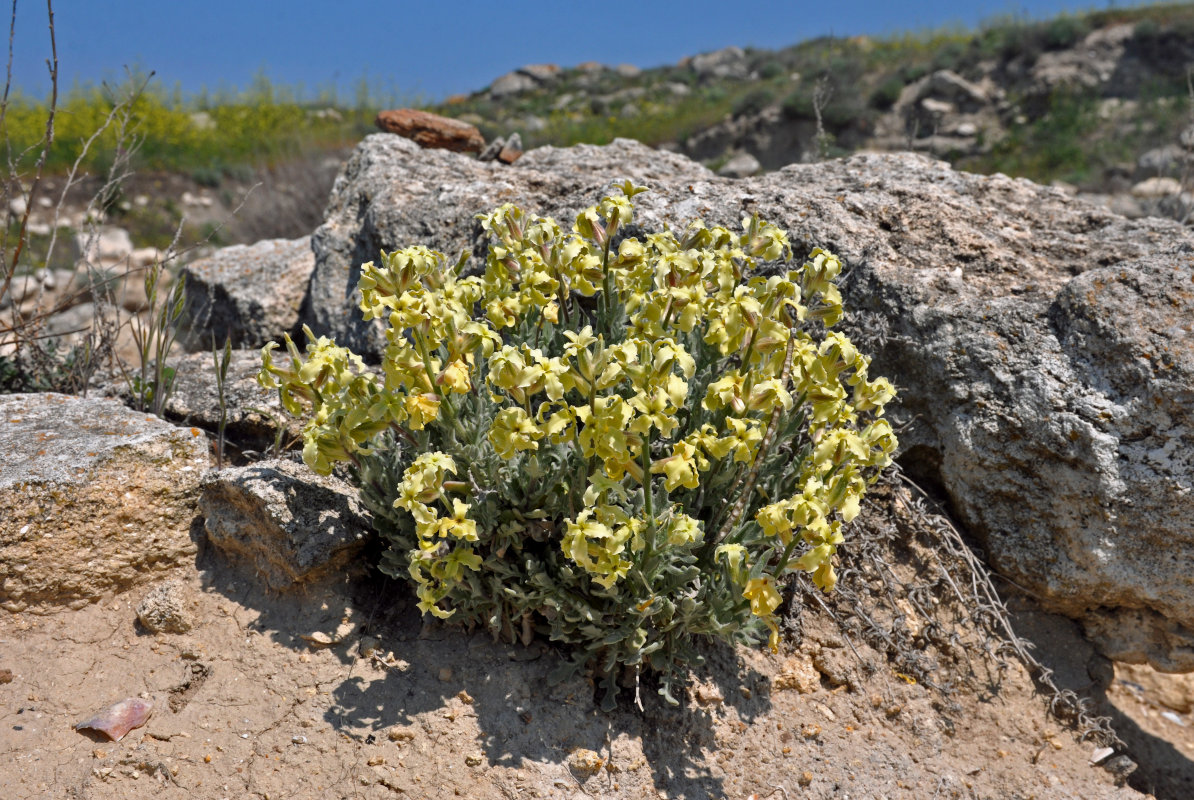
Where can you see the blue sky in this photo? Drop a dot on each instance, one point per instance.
(435, 47)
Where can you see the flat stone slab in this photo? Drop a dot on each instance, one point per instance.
(94, 498)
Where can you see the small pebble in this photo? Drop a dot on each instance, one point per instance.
(445, 674)
(585, 761)
(298, 739)
(1101, 754)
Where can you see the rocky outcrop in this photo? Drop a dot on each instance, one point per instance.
(1093, 62)
(523, 79)
(728, 62)
(94, 498)
(431, 130)
(286, 524)
(1041, 344)
(250, 293)
(945, 114)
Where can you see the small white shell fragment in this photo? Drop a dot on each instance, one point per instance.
(117, 720)
(1100, 754)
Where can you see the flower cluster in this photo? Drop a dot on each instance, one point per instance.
(682, 430)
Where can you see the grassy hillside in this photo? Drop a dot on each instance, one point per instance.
(1060, 135)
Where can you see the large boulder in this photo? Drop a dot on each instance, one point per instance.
(1041, 344)
(250, 293)
(282, 522)
(94, 498)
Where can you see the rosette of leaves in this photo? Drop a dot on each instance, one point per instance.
(622, 447)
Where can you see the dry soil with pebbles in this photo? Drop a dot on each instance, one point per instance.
(344, 692)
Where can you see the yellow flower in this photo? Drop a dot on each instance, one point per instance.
(513, 431)
(597, 548)
(458, 525)
(773, 637)
(767, 394)
(654, 409)
(680, 467)
(455, 377)
(774, 521)
(873, 396)
(735, 559)
(460, 558)
(726, 391)
(745, 436)
(818, 560)
(762, 595)
(429, 599)
(422, 408)
(684, 530)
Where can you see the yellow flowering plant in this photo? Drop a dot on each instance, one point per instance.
(622, 445)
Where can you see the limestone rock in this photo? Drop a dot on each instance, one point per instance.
(252, 293)
(283, 522)
(492, 150)
(512, 83)
(511, 150)
(949, 87)
(1094, 62)
(1172, 691)
(94, 498)
(740, 166)
(524, 79)
(431, 130)
(1052, 406)
(164, 609)
(1167, 161)
(1153, 188)
(105, 247)
(729, 62)
(544, 73)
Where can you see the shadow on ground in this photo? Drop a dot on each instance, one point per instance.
(437, 671)
(1161, 769)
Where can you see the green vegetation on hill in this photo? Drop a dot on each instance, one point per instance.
(1059, 134)
(206, 137)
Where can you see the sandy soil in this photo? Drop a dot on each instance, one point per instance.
(344, 692)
